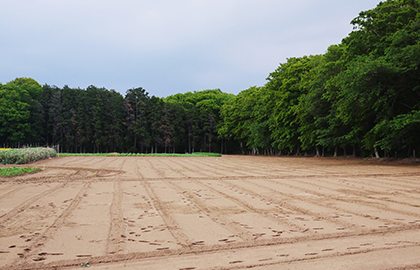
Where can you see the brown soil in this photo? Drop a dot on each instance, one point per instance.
(232, 212)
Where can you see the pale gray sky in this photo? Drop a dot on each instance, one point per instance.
(166, 47)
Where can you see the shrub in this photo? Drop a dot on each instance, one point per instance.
(25, 155)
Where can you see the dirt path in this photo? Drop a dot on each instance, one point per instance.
(232, 212)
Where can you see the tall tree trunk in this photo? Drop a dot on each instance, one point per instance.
(317, 151)
(210, 143)
(409, 150)
(189, 143)
(376, 152)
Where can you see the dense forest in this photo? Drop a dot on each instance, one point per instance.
(100, 120)
(362, 97)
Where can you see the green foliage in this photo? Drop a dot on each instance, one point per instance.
(363, 93)
(16, 171)
(198, 116)
(25, 155)
(398, 133)
(287, 84)
(21, 113)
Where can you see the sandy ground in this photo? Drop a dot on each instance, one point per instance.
(232, 212)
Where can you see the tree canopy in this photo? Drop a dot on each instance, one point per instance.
(362, 94)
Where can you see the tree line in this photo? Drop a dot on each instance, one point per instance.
(361, 97)
(98, 120)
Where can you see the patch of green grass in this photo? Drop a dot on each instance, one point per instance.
(198, 154)
(82, 154)
(16, 171)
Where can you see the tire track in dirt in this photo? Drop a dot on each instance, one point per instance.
(290, 207)
(176, 170)
(296, 260)
(8, 193)
(69, 160)
(358, 184)
(327, 205)
(117, 233)
(220, 169)
(38, 179)
(19, 231)
(140, 175)
(268, 176)
(160, 173)
(116, 230)
(33, 252)
(237, 168)
(378, 181)
(24, 205)
(130, 169)
(145, 230)
(391, 178)
(284, 250)
(170, 223)
(104, 167)
(256, 169)
(354, 200)
(248, 206)
(362, 194)
(215, 216)
(189, 169)
(96, 161)
(93, 171)
(165, 163)
(381, 183)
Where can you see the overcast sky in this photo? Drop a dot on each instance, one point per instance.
(165, 46)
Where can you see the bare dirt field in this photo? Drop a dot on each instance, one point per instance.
(231, 212)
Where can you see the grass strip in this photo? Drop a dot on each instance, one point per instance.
(16, 171)
(198, 154)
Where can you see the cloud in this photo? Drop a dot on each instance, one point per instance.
(165, 46)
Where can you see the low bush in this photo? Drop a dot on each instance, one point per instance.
(25, 155)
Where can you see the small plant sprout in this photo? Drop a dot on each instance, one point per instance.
(85, 264)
